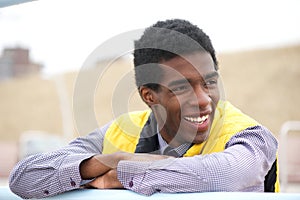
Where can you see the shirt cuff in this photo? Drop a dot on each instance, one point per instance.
(69, 173)
(131, 175)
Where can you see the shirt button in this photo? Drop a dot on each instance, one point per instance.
(130, 184)
(46, 192)
(73, 184)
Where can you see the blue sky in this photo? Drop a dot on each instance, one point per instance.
(63, 33)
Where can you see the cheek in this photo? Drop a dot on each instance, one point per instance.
(174, 116)
(173, 106)
(216, 98)
(215, 95)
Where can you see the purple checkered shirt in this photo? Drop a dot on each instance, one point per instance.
(242, 166)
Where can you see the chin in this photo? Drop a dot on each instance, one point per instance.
(200, 138)
(198, 141)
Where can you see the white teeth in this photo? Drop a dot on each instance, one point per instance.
(199, 120)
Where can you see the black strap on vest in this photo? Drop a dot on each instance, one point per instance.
(148, 145)
(148, 142)
(270, 178)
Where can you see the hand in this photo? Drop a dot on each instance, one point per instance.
(107, 181)
(100, 164)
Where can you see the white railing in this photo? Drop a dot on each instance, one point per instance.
(283, 162)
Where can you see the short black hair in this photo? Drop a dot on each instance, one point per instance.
(164, 41)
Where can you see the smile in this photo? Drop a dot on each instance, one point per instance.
(198, 120)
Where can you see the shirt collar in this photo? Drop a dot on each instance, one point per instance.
(165, 148)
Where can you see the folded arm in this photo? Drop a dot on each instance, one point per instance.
(242, 166)
(48, 174)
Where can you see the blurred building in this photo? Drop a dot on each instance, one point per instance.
(15, 62)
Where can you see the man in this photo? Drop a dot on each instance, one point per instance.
(189, 141)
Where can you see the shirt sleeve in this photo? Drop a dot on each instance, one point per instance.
(242, 166)
(48, 174)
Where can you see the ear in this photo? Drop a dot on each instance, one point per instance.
(148, 96)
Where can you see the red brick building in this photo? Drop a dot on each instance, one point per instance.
(15, 62)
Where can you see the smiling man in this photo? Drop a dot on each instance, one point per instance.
(190, 140)
(189, 94)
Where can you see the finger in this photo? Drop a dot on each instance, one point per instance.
(96, 183)
(111, 180)
(107, 181)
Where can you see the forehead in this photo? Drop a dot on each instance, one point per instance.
(189, 66)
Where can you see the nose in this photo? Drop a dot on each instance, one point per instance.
(202, 95)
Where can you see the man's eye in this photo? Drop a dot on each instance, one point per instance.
(179, 88)
(211, 82)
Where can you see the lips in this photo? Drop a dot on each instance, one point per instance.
(200, 122)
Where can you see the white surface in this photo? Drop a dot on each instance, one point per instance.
(128, 195)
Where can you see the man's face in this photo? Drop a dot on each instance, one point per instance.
(187, 98)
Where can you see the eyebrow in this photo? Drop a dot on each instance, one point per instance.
(211, 75)
(184, 81)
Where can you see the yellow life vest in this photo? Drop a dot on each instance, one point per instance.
(124, 133)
